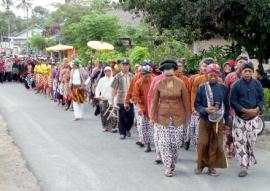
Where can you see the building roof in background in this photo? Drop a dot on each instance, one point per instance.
(15, 34)
(125, 17)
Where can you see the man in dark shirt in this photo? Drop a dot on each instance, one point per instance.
(247, 101)
(212, 104)
(261, 76)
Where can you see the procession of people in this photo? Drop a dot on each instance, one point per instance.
(214, 112)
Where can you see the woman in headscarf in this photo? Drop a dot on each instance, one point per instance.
(212, 105)
(170, 111)
(228, 68)
(104, 95)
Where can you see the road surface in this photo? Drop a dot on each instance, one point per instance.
(77, 156)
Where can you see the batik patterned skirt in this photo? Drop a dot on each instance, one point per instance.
(108, 123)
(169, 143)
(138, 123)
(156, 137)
(29, 80)
(39, 81)
(66, 92)
(78, 94)
(45, 81)
(193, 130)
(245, 136)
(147, 131)
(50, 84)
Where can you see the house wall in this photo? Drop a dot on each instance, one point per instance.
(199, 46)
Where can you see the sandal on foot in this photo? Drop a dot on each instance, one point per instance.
(198, 171)
(114, 131)
(148, 148)
(242, 174)
(212, 172)
(168, 172)
(173, 167)
(139, 143)
(158, 159)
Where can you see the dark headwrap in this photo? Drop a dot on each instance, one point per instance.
(167, 65)
(247, 65)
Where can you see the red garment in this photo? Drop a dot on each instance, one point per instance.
(151, 90)
(2, 66)
(229, 81)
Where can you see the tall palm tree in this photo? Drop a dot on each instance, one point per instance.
(7, 3)
(26, 6)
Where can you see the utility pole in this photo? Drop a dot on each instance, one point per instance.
(27, 37)
(8, 23)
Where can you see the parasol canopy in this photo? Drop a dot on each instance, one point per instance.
(100, 46)
(59, 47)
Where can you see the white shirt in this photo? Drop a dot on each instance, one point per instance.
(9, 64)
(104, 89)
(76, 80)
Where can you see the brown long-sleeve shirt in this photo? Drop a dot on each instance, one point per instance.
(170, 102)
(184, 78)
(140, 93)
(129, 95)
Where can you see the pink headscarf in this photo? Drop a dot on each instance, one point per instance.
(213, 68)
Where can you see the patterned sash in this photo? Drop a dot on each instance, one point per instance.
(219, 114)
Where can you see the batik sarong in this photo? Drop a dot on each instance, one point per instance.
(193, 130)
(40, 81)
(108, 122)
(147, 131)
(45, 81)
(29, 81)
(156, 137)
(169, 143)
(138, 123)
(78, 94)
(245, 136)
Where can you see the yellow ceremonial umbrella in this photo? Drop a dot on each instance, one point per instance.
(100, 46)
(59, 47)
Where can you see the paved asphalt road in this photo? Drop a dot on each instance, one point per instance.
(77, 156)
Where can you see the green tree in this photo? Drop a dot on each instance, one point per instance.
(245, 21)
(8, 19)
(38, 42)
(93, 27)
(138, 55)
(26, 6)
(40, 12)
(39, 16)
(73, 11)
